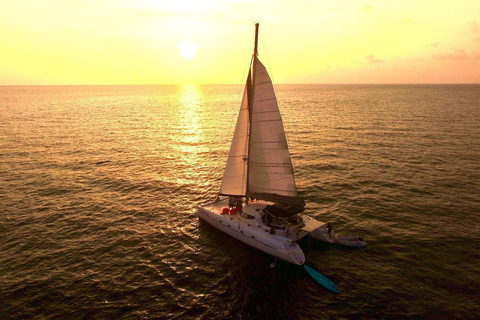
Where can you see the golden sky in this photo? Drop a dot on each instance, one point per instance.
(50, 42)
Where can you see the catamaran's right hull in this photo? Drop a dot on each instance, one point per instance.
(231, 225)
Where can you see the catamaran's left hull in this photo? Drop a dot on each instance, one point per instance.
(258, 238)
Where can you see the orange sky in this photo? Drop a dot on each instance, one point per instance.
(53, 42)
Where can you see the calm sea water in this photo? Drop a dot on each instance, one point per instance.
(99, 188)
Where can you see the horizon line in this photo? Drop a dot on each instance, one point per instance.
(226, 84)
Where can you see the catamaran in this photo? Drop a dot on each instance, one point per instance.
(258, 202)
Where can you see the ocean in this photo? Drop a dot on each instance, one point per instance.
(99, 187)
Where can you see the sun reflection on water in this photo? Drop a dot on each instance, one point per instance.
(189, 115)
(190, 135)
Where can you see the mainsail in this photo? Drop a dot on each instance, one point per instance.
(270, 170)
(259, 164)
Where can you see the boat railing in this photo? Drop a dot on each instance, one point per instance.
(212, 203)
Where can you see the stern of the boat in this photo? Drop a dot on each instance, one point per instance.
(294, 254)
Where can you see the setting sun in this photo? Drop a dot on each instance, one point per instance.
(187, 49)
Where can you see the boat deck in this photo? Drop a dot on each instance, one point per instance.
(217, 206)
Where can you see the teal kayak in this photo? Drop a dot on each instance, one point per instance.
(321, 279)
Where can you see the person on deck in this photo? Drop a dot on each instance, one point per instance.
(238, 203)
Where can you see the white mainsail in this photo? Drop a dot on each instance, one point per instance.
(270, 168)
(259, 164)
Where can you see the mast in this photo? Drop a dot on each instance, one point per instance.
(259, 164)
(254, 65)
(255, 50)
(250, 101)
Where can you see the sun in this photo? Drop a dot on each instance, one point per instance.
(187, 49)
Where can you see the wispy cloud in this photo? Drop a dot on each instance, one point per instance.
(458, 55)
(371, 59)
(333, 66)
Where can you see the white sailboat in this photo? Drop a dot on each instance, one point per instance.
(261, 206)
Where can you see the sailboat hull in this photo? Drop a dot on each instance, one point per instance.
(252, 235)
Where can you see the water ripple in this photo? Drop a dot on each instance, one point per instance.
(99, 186)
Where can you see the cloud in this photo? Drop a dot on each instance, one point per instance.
(458, 55)
(371, 59)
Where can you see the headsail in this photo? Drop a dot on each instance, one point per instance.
(234, 181)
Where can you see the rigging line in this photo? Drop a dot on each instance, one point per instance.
(239, 95)
(245, 68)
(273, 81)
(241, 86)
(268, 63)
